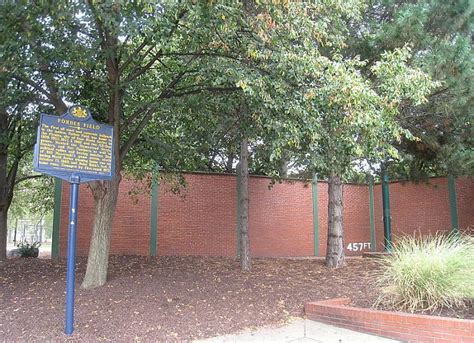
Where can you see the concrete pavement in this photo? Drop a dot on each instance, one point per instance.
(299, 331)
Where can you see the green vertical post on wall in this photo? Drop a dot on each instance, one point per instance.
(58, 186)
(387, 222)
(373, 242)
(314, 188)
(453, 205)
(155, 187)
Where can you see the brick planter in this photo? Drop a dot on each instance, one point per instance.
(397, 325)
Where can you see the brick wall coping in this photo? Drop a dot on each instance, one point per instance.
(257, 176)
(396, 325)
(295, 179)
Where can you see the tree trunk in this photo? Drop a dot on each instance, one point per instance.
(16, 229)
(283, 168)
(105, 193)
(41, 230)
(36, 232)
(335, 249)
(243, 211)
(105, 196)
(284, 165)
(229, 163)
(4, 202)
(3, 234)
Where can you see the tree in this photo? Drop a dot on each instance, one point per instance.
(33, 197)
(125, 61)
(17, 125)
(337, 113)
(439, 33)
(358, 122)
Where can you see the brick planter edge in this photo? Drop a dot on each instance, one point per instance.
(396, 325)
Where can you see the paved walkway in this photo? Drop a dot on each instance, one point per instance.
(299, 331)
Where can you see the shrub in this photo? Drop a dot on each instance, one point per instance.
(28, 249)
(428, 273)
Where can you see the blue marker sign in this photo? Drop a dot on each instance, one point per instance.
(74, 144)
(76, 148)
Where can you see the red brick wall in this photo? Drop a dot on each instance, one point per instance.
(465, 200)
(356, 217)
(424, 207)
(131, 226)
(280, 218)
(202, 219)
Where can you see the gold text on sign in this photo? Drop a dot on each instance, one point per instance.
(75, 147)
(77, 123)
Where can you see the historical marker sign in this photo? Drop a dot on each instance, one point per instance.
(74, 144)
(76, 148)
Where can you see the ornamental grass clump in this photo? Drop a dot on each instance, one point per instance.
(428, 273)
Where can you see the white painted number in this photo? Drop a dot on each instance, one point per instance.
(358, 246)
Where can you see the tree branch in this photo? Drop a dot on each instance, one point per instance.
(204, 89)
(121, 50)
(32, 84)
(28, 177)
(137, 72)
(133, 137)
(97, 22)
(54, 97)
(141, 70)
(167, 95)
(204, 54)
(146, 118)
(134, 54)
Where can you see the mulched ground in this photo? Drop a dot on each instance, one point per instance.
(170, 298)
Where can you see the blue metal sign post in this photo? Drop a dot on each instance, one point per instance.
(75, 148)
(71, 255)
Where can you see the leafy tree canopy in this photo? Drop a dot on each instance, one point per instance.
(440, 35)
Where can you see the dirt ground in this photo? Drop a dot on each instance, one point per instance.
(170, 298)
